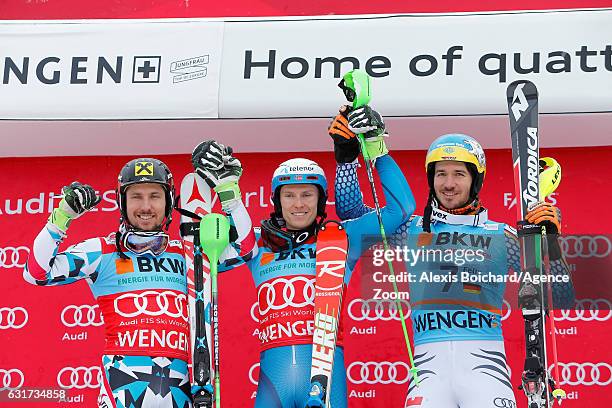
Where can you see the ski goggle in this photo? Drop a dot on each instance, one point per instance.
(142, 242)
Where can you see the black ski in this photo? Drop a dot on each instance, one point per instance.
(523, 112)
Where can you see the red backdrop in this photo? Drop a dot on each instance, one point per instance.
(71, 9)
(42, 333)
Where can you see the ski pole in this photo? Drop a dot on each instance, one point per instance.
(549, 181)
(356, 86)
(214, 237)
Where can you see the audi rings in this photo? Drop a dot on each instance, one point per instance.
(13, 318)
(11, 379)
(585, 373)
(506, 310)
(585, 246)
(378, 372)
(377, 309)
(286, 288)
(82, 316)
(14, 257)
(252, 373)
(587, 310)
(255, 312)
(79, 377)
(135, 304)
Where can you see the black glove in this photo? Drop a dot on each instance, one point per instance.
(78, 198)
(346, 145)
(548, 216)
(215, 164)
(367, 121)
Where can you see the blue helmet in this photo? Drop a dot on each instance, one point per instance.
(299, 171)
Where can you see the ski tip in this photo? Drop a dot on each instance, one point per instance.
(523, 86)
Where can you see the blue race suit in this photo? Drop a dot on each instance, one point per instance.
(465, 305)
(285, 290)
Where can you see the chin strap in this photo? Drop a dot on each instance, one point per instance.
(472, 208)
(470, 214)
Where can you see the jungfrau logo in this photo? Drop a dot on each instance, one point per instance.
(519, 102)
(530, 194)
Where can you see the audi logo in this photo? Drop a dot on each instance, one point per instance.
(252, 372)
(297, 291)
(507, 311)
(82, 316)
(13, 318)
(14, 257)
(378, 372)
(587, 310)
(165, 303)
(11, 379)
(377, 309)
(254, 312)
(585, 373)
(80, 377)
(504, 403)
(585, 246)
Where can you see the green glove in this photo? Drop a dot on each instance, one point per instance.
(77, 199)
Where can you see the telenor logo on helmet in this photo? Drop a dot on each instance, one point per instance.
(143, 169)
(301, 168)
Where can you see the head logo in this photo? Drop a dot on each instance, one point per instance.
(82, 316)
(13, 318)
(79, 377)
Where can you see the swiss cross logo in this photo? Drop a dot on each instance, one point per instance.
(146, 69)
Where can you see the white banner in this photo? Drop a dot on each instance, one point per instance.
(423, 64)
(110, 69)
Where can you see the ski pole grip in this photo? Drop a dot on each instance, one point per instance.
(356, 87)
(214, 236)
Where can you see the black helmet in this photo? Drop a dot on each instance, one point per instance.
(145, 170)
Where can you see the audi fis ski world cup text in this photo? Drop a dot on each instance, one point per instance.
(44, 203)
